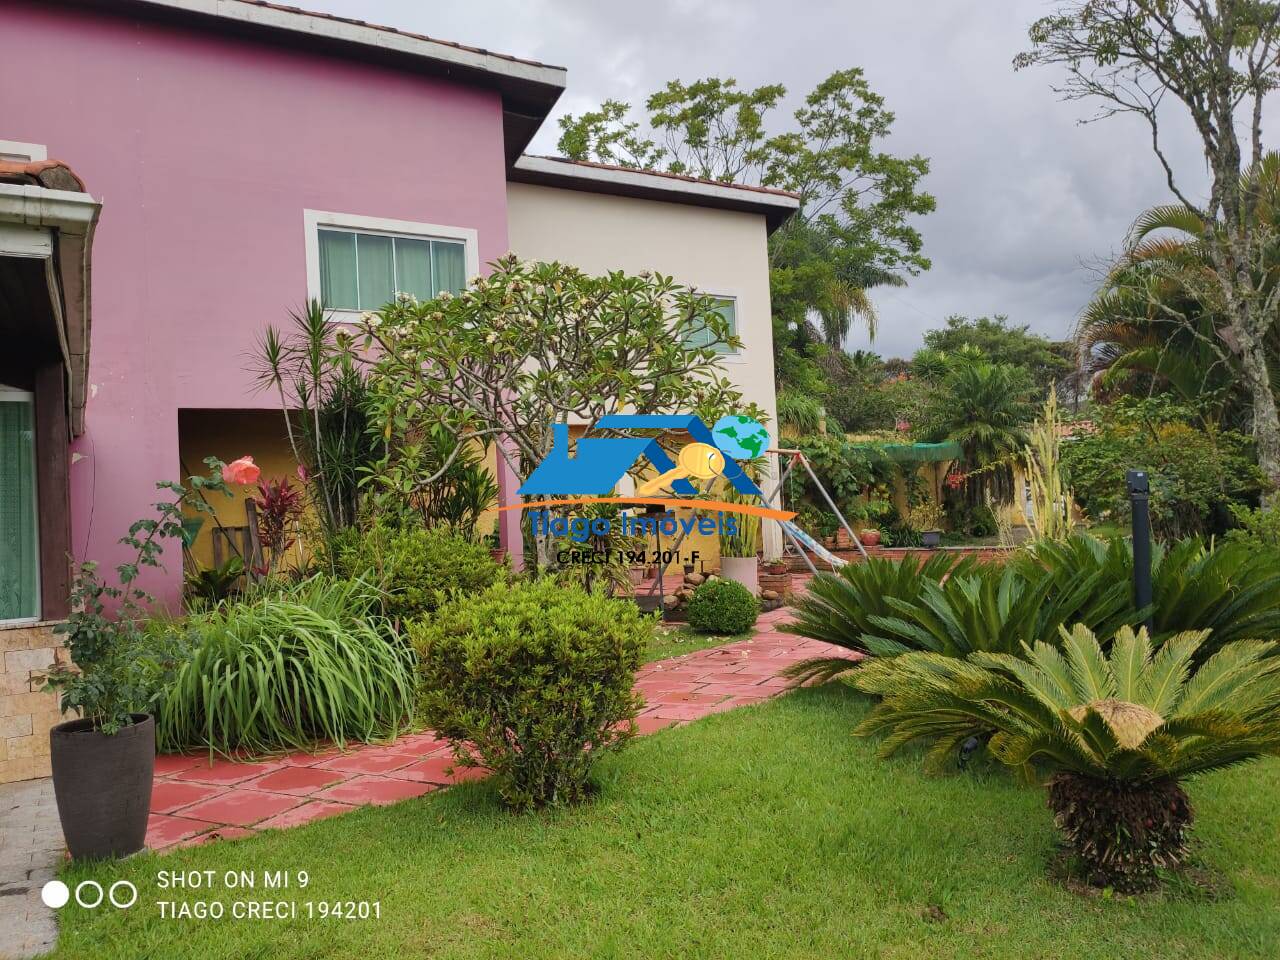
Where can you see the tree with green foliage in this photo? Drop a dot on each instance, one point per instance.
(527, 347)
(1049, 362)
(1196, 472)
(986, 408)
(1158, 323)
(1219, 59)
(857, 201)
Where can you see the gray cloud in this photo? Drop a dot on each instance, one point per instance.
(1028, 199)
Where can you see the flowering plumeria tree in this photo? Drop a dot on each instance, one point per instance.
(529, 346)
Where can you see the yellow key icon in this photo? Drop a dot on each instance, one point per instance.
(701, 461)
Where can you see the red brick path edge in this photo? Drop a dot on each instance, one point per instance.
(195, 800)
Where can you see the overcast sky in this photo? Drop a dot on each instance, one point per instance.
(1029, 201)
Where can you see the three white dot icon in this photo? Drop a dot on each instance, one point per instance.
(89, 894)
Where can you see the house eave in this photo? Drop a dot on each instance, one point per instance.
(71, 219)
(775, 206)
(528, 89)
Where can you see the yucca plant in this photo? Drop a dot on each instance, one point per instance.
(1115, 734)
(838, 608)
(286, 670)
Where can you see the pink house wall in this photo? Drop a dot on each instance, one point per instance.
(205, 150)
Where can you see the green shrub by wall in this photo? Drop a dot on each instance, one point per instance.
(286, 670)
(417, 569)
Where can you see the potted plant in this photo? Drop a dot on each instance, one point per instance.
(494, 542)
(869, 538)
(104, 761)
(775, 567)
(927, 518)
(738, 552)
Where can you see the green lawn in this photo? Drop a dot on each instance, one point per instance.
(762, 832)
(673, 640)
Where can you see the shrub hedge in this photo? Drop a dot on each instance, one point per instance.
(417, 569)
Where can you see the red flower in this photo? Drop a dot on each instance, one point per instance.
(243, 470)
(903, 426)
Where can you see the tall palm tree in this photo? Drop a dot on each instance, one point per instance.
(985, 407)
(1158, 324)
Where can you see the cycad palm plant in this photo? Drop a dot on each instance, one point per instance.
(840, 608)
(1115, 733)
(887, 608)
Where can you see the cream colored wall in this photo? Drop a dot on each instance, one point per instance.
(720, 252)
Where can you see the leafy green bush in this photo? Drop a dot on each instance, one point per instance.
(417, 569)
(1195, 474)
(286, 670)
(1258, 529)
(532, 681)
(1115, 733)
(723, 606)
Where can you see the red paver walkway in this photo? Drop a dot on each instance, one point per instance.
(195, 800)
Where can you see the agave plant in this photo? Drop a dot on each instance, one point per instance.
(891, 609)
(1115, 733)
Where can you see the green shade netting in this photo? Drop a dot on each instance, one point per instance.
(917, 452)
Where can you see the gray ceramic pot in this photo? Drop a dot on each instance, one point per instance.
(103, 786)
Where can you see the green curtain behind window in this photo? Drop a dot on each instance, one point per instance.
(338, 270)
(19, 554)
(363, 271)
(377, 270)
(450, 266)
(413, 267)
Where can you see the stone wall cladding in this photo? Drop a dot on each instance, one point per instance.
(26, 714)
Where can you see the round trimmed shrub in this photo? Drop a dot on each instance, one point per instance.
(723, 606)
(418, 569)
(532, 681)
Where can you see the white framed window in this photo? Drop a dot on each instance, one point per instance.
(357, 263)
(16, 150)
(19, 523)
(727, 307)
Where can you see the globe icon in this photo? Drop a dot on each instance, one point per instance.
(741, 437)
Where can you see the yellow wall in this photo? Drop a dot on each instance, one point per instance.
(228, 435)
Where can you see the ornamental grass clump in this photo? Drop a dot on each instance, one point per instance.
(532, 681)
(285, 671)
(1113, 735)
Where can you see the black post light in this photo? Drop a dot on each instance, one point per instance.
(1139, 499)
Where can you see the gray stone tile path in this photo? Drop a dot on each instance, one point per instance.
(30, 853)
